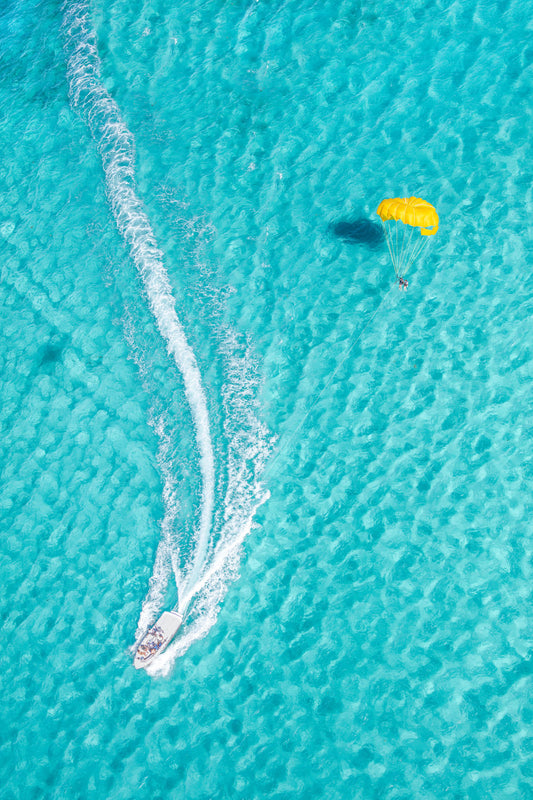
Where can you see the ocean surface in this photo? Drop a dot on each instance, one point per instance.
(214, 395)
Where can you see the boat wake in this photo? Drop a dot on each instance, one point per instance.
(249, 446)
(213, 562)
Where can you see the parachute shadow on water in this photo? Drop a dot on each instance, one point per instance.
(358, 231)
(51, 352)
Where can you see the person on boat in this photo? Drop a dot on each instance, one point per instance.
(143, 652)
(152, 643)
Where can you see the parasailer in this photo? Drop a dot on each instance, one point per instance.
(403, 218)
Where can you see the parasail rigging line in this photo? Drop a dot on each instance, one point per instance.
(415, 213)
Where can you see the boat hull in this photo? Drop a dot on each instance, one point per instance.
(157, 638)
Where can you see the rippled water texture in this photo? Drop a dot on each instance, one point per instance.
(213, 394)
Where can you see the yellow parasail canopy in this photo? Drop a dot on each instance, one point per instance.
(412, 211)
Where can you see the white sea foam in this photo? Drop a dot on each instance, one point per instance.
(215, 561)
(249, 446)
(115, 145)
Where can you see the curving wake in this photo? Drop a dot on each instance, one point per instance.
(214, 560)
(115, 145)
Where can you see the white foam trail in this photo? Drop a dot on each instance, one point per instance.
(115, 145)
(250, 445)
(210, 591)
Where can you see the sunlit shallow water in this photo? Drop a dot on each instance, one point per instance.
(366, 630)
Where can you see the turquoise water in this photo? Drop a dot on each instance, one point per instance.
(214, 395)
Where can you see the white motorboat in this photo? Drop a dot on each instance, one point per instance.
(157, 638)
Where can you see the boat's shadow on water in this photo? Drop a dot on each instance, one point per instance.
(361, 231)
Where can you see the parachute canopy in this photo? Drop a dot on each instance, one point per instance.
(411, 211)
(398, 215)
